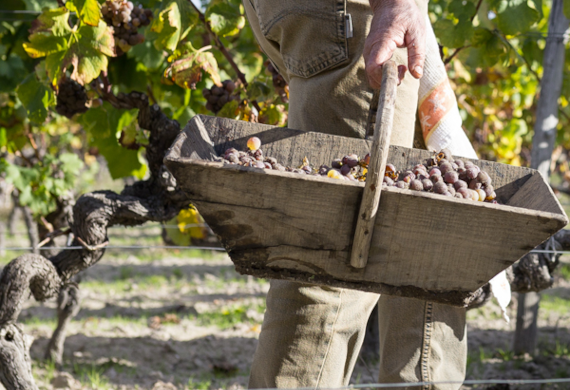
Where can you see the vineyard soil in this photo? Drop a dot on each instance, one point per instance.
(186, 318)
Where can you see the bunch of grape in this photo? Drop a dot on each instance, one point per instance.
(217, 97)
(125, 20)
(279, 83)
(441, 174)
(71, 98)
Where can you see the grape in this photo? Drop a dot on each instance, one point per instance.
(334, 174)
(280, 167)
(434, 171)
(450, 177)
(451, 189)
(408, 176)
(323, 170)
(307, 169)
(253, 143)
(460, 184)
(350, 160)
(428, 185)
(474, 185)
(458, 195)
(436, 178)
(388, 181)
(345, 170)
(71, 98)
(481, 194)
(465, 192)
(416, 185)
(279, 83)
(483, 177)
(460, 163)
(440, 187)
(471, 172)
(445, 167)
(402, 184)
(125, 19)
(474, 195)
(336, 163)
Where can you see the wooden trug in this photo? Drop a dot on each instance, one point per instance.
(299, 227)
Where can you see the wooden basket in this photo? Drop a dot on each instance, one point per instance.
(291, 226)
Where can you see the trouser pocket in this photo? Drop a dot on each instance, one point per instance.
(310, 35)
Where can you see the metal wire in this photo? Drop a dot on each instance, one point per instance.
(133, 247)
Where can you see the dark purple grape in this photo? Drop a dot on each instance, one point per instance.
(451, 189)
(436, 178)
(434, 171)
(336, 163)
(323, 170)
(465, 192)
(345, 170)
(460, 163)
(351, 160)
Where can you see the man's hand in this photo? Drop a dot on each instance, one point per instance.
(396, 23)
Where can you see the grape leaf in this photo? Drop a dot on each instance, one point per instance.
(173, 23)
(36, 97)
(451, 35)
(88, 10)
(487, 48)
(102, 125)
(84, 47)
(187, 70)
(515, 16)
(258, 91)
(147, 55)
(225, 19)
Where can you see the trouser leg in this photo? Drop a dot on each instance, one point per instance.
(421, 341)
(310, 337)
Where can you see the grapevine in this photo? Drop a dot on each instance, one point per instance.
(71, 98)
(217, 97)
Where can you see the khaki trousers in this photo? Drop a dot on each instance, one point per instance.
(311, 335)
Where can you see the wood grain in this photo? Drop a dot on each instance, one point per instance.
(375, 175)
(302, 226)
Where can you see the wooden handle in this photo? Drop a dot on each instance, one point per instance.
(376, 167)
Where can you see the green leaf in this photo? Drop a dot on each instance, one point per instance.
(487, 49)
(462, 10)
(515, 16)
(85, 48)
(187, 70)
(172, 23)
(258, 91)
(88, 10)
(36, 97)
(12, 70)
(225, 19)
(147, 54)
(103, 126)
(451, 35)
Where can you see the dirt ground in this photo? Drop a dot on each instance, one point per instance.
(182, 319)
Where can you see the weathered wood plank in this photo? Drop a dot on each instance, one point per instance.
(378, 158)
(526, 197)
(302, 225)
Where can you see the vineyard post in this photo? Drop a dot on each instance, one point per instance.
(526, 332)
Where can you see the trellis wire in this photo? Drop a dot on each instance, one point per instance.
(133, 247)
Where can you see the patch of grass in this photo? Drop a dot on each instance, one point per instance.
(564, 271)
(554, 303)
(35, 321)
(558, 350)
(47, 368)
(92, 376)
(506, 356)
(198, 384)
(228, 316)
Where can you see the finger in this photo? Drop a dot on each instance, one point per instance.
(377, 56)
(401, 73)
(416, 45)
